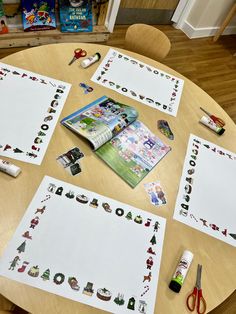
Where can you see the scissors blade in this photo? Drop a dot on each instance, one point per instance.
(72, 61)
(199, 275)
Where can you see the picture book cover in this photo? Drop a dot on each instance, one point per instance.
(76, 15)
(118, 138)
(38, 15)
(3, 20)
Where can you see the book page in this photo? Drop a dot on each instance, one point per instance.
(99, 121)
(133, 153)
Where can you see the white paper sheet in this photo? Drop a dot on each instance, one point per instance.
(140, 81)
(30, 106)
(206, 198)
(106, 248)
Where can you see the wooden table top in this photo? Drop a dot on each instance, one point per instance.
(217, 257)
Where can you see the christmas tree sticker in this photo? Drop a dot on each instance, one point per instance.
(233, 235)
(46, 275)
(17, 150)
(153, 240)
(21, 248)
(129, 216)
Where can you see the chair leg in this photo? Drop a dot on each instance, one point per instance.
(225, 23)
(5, 304)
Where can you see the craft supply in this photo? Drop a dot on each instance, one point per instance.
(87, 89)
(106, 263)
(90, 60)
(70, 160)
(217, 120)
(139, 81)
(181, 271)
(78, 53)
(164, 127)
(211, 125)
(209, 210)
(156, 193)
(9, 168)
(27, 137)
(195, 300)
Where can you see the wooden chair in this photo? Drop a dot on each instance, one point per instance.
(147, 41)
(226, 21)
(7, 307)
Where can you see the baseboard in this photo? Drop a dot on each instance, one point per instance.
(194, 32)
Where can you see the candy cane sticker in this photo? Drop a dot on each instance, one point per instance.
(145, 291)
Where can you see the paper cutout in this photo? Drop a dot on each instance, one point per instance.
(206, 199)
(139, 81)
(25, 125)
(76, 252)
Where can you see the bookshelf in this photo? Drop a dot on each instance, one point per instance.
(18, 38)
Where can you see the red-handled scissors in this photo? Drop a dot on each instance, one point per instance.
(216, 120)
(78, 53)
(196, 298)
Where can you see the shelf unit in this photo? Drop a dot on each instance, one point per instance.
(18, 38)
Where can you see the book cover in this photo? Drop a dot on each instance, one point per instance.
(3, 20)
(119, 139)
(76, 16)
(38, 15)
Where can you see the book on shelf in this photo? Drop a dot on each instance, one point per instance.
(3, 20)
(118, 138)
(76, 16)
(38, 15)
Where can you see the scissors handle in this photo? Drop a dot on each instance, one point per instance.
(79, 53)
(201, 303)
(191, 300)
(218, 121)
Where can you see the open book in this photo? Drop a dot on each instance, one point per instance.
(118, 138)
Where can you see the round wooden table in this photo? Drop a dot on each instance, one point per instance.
(217, 257)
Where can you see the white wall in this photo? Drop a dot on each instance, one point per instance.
(204, 17)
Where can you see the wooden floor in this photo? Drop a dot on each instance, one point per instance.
(211, 66)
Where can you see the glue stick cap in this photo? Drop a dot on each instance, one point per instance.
(221, 131)
(181, 271)
(175, 286)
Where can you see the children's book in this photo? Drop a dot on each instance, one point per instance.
(118, 138)
(3, 20)
(76, 15)
(38, 15)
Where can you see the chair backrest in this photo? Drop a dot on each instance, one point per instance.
(147, 41)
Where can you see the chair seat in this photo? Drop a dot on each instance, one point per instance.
(148, 41)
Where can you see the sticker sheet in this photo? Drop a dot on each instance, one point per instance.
(140, 81)
(30, 107)
(206, 197)
(88, 248)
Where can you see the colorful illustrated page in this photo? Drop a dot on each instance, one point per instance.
(133, 153)
(100, 120)
(140, 81)
(30, 107)
(88, 248)
(206, 198)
